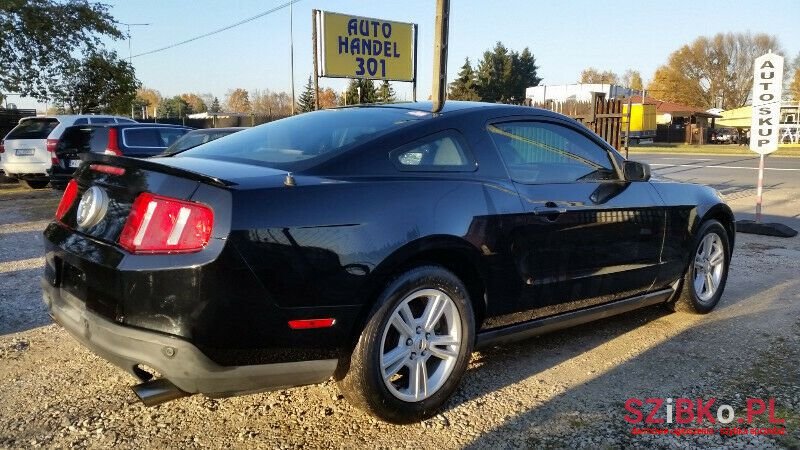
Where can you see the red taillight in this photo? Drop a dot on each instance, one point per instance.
(52, 144)
(111, 170)
(2, 146)
(159, 224)
(70, 194)
(306, 324)
(112, 148)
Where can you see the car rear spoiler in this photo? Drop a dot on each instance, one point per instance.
(136, 163)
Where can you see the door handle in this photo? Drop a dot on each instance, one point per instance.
(545, 211)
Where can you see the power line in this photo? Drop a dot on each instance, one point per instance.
(242, 22)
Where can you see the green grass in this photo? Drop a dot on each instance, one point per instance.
(710, 149)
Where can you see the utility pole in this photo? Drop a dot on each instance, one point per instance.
(441, 31)
(291, 50)
(130, 51)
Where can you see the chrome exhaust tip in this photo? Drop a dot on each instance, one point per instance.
(157, 391)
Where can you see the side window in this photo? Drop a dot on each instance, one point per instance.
(441, 152)
(141, 137)
(168, 136)
(542, 152)
(81, 121)
(121, 120)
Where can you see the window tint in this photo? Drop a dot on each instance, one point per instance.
(33, 129)
(540, 152)
(289, 143)
(75, 139)
(81, 121)
(101, 120)
(442, 151)
(151, 140)
(121, 120)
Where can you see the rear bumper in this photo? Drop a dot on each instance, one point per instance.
(175, 359)
(23, 169)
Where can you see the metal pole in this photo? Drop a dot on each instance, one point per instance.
(442, 29)
(760, 187)
(291, 50)
(314, 14)
(414, 84)
(628, 131)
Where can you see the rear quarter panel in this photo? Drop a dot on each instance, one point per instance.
(688, 205)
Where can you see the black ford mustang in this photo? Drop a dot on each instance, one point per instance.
(375, 244)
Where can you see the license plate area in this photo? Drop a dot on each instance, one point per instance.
(74, 163)
(24, 151)
(73, 280)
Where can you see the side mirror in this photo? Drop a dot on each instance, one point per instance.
(636, 171)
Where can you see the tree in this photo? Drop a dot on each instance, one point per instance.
(271, 104)
(465, 86)
(714, 67)
(38, 39)
(327, 98)
(99, 83)
(196, 104)
(503, 75)
(147, 98)
(632, 79)
(306, 101)
(594, 76)
(238, 100)
(214, 106)
(173, 107)
(385, 93)
(368, 93)
(794, 83)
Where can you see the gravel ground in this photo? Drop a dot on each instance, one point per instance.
(564, 390)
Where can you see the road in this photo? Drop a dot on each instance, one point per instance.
(735, 177)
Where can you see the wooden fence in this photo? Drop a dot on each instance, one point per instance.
(602, 116)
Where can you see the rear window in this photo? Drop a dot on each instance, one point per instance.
(151, 140)
(83, 139)
(294, 142)
(33, 129)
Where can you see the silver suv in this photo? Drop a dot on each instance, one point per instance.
(27, 152)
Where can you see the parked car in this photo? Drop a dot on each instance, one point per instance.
(375, 244)
(137, 140)
(198, 137)
(26, 153)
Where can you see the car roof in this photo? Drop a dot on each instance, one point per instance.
(132, 125)
(74, 116)
(212, 130)
(452, 106)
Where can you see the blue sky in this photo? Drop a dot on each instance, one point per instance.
(564, 36)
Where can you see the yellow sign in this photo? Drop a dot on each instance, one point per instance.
(361, 47)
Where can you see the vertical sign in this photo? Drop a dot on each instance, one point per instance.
(767, 90)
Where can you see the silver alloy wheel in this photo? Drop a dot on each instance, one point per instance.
(709, 265)
(420, 345)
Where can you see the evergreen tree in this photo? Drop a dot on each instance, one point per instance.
(464, 87)
(214, 106)
(368, 92)
(386, 92)
(503, 75)
(306, 101)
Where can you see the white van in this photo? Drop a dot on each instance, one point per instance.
(27, 152)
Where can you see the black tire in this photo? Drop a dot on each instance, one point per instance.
(688, 297)
(36, 184)
(362, 382)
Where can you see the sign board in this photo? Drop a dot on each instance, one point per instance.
(767, 90)
(362, 47)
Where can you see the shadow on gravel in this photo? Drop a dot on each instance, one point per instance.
(21, 306)
(692, 363)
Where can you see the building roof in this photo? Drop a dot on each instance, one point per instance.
(675, 109)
